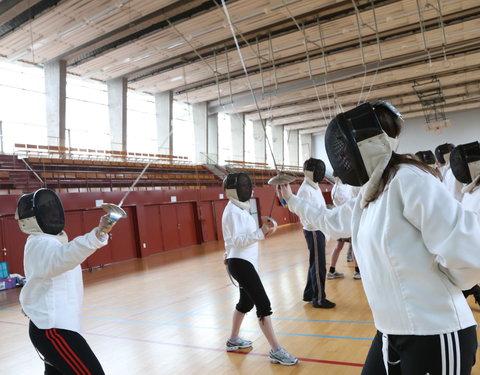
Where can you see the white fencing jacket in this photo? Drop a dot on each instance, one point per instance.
(311, 192)
(53, 294)
(342, 193)
(471, 201)
(417, 249)
(453, 186)
(241, 234)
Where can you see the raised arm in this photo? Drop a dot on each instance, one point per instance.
(335, 222)
(448, 230)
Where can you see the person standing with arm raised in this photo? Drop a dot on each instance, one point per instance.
(416, 245)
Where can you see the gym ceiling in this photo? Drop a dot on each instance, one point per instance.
(306, 59)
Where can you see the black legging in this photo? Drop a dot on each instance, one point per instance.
(65, 352)
(252, 291)
(420, 355)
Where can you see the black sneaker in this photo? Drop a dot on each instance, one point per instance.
(326, 304)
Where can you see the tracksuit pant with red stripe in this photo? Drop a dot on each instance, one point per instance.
(65, 352)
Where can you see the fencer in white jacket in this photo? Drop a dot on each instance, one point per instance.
(417, 248)
(465, 167)
(53, 294)
(241, 235)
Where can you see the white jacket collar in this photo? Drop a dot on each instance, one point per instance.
(309, 180)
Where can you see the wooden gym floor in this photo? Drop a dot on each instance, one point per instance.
(171, 313)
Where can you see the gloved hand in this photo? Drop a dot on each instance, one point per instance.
(106, 224)
(267, 228)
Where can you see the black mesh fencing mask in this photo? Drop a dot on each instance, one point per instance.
(45, 206)
(238, 186)
(426, 156)
(441, 150)
(315, 169)
(465, 162)
(341, 138)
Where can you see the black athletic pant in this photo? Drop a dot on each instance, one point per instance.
(317, 270)
(252, 291)
(65, 352)
(444, 354)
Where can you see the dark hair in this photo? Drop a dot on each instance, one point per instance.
(392, 125)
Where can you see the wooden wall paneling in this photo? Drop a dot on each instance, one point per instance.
(3, 255)
(168, 215)
(14, 242)
(123, 239)
(154, 236)
(207, 221)
(187, 229)
(219, 207)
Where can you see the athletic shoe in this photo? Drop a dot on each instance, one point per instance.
(238, 344)
(335, 275)
(283, 357)
(349, 254)
(357, 276)
(326, 304)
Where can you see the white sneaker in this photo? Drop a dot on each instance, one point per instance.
(283, 357)
(335, 275)
(357, 276)
(238, 344)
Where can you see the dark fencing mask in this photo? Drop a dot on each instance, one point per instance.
(342, 136)
(441, 150)
(465, 162)
(238, 186)
(41, 211)
(426, 156)
(314, 169)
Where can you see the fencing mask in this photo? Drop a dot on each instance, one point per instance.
(465, 164)
(442, 152)
(358, 148)
(40, 212)
(426, 156)
(314, 169)
(238, 187)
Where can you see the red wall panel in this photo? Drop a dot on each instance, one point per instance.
(168, 215)
(123, 239)
(207, 221)
(154, 236)
(14, 242)
(187, 230)
(152, 225)
(219, 206)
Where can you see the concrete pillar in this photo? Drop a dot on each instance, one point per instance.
(200, 126)
(305, 147)
(277, 144)
(117, 113)
(163, 114)
(55, 93)
(212, 141)
(237, 125)
(291, 145)
(259, 142)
